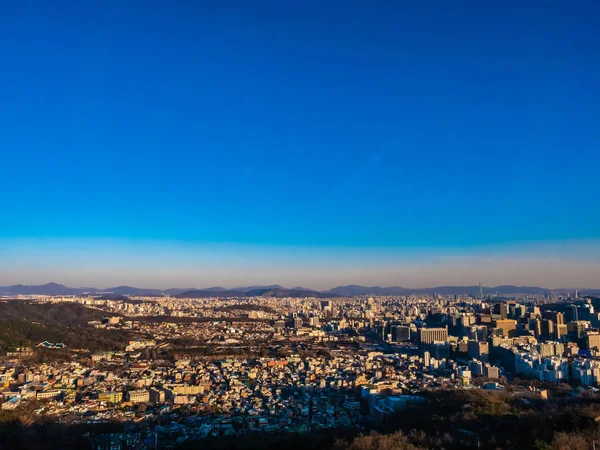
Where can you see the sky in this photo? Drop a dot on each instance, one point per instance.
(305, 143)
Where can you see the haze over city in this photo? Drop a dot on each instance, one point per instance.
(108, 262)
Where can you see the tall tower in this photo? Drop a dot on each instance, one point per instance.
(480, 290)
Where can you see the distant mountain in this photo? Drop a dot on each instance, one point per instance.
(44, 289)
(509, 289)
(277, 292)
(197, 293)
(221, 291)
(251, 288)
(110, 296)
(128, 290)
(60, 289)
(175, 291)
(300, 293)
(353, 290)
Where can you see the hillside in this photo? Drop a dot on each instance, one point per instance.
(68, 314)
(26, 323)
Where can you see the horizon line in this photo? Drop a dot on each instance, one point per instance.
(106, 289)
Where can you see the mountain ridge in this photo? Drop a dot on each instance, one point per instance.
(276, 290)
(258, 292)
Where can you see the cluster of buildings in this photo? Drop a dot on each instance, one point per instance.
(232, 396)
(212, 367)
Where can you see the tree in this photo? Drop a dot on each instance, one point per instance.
(376, 441)
(569, 441)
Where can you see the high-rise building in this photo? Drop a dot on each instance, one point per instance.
(593, 341)
(435, 342)
(490, 371)
(503, 311)
(577, 329)
(476, 367)
(297, 322)
(466, 321)
(401, 333)
(440, 350)
(520, 311)
(157, 395)
(536, 326)
(508, 326)
(384, 327)
(371, 305)
(557, 317)
(546, 349)
(479, 350)
(429, 335)
(547, 328)
(560, 331)
(478, 333)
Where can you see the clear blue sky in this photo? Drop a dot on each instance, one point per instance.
(300, 124)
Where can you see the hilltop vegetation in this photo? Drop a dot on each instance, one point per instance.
(454, 420)
(24, 323)
(67, 313)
